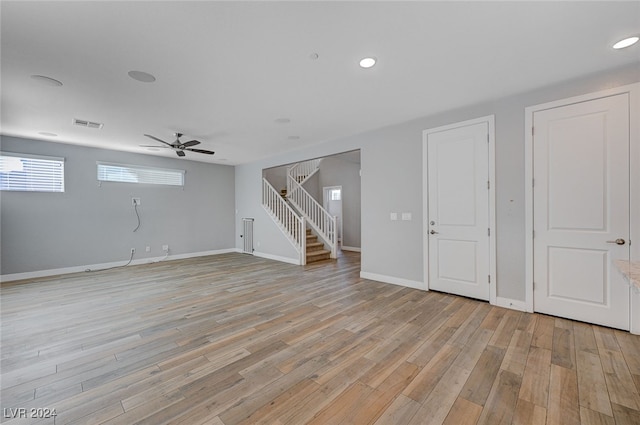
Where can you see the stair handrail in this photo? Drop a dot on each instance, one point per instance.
(301, 171)
(317, 217)
(292, 225)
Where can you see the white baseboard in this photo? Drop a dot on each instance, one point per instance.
(393, 280)
(511, 304)
(634, 327)
(102, 266)
(294, 261)
(198, 254)
(351, 248)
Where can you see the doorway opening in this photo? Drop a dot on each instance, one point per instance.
(332, 202)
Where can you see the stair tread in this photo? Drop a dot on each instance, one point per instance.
(316, 256)
(318, 252)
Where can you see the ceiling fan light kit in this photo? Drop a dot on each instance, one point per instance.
(178, 146)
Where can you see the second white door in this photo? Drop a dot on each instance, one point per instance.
(581, 210)
(458, 210)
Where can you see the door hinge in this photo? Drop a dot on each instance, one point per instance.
(533, 233)
(532, 132)
(534, 286)
(487, 137)
(489, 278)
(489, 231)
(488, 184)
(533, 182)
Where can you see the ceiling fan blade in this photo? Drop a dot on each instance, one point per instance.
(158, 140)
(154, 146)
(200, 151)
(190, 143)
(180, 153)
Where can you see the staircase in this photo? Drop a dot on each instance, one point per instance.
(294, 209)
(317, 218)
(315, 250)
(289, 221)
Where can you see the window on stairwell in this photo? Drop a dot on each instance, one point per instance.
(336, 194)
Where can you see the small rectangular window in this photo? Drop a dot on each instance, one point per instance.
(121, 173)
(31, 173)
(336, 194)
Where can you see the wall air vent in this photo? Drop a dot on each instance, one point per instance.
(88, 124)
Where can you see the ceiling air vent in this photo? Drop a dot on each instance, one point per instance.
(88, 124)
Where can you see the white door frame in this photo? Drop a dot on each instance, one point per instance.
(325, 203)
(634, 161)
(490, 120)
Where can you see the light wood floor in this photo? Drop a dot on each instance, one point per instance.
(234, 339)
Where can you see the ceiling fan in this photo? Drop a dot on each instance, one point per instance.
(178, 146)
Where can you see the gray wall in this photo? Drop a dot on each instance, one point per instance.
(338, 170)
(312, 186)
(267, 236)
(88, 224)
(277, 176)
(392, 165)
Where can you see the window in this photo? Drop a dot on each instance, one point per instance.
(336, 194)
(31, 173)
(121, 173)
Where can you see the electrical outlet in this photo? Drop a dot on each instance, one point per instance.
(135, 201)
(148, 249)
(165, 248)
(133, 251)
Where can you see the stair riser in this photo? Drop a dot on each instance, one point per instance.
(318, 258)
(321, 254)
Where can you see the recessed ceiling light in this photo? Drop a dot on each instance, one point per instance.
(144, 77)
(313, 56)
(46, 80)
(367, 62)
(282, 120)
(44, 133)
(630, 41)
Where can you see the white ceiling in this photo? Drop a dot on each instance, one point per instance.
(227, 70)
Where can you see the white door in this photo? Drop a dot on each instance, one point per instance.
(581, 208)
(458, 210)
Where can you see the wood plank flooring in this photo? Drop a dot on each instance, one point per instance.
(234, 339)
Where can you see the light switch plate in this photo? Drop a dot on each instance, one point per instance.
(393, 216)
(406, 216)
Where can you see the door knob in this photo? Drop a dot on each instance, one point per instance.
(618, 241)
(433, 232)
